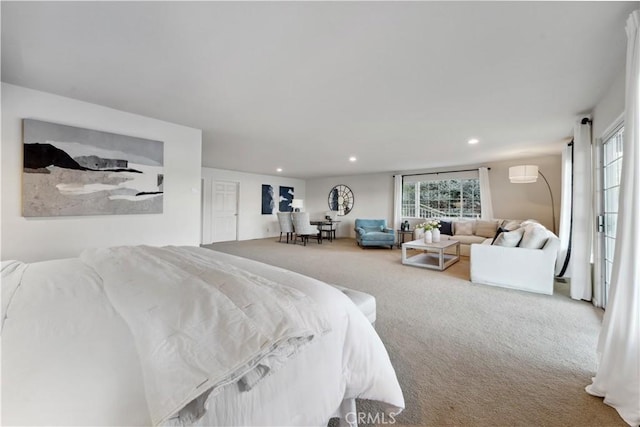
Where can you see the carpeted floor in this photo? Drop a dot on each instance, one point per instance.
(464, 354)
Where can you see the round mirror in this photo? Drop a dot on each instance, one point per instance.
(341, 199)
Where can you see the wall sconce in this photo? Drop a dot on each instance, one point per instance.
(526, 174)
(297, 204)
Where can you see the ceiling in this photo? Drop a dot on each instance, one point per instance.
(304, 85)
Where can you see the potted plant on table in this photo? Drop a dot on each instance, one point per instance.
(431, 230)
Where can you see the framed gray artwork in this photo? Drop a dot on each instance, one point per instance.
(71, 171)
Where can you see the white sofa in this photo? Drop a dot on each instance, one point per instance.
(531, 270)
(522, 268)
(473, 234)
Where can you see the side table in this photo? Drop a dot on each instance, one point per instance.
(401, 236)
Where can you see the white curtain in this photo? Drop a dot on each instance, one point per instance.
(582, 229)
(618, 376)
(486, 205)
(564, 231)
(397, 201)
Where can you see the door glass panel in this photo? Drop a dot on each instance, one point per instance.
(612, 169)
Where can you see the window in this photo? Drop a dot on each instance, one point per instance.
(611, 173)
(454, 197)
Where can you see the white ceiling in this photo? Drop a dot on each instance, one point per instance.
(305, 85)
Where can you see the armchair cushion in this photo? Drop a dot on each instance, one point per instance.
(372, 229)
(378, 236)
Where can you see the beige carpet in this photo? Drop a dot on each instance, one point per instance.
(465, 354)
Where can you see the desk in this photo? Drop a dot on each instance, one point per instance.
(331, 232)
(427, 258)
(401, 236)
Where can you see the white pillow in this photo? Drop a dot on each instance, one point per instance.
(509, 239)
(463, 228)
(511, 224)
(534, 237)
(528, 222)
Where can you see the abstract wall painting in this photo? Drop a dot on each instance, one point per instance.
(286, 197)
(268, 201)
(71, 171)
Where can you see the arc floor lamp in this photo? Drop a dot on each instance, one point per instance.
(526, 174)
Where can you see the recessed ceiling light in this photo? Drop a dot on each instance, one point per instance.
(473, 141)
(279, 170)
(352, 159)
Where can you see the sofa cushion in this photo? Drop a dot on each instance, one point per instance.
(464, 239)
(464, 228)
(486, 228)
(446, 227)
(535, 236)
(509, 239)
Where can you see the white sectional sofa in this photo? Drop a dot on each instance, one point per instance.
(469, 231)
(523, 257)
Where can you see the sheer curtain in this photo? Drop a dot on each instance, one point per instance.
(582, 228)
(564, 231)
(397, 201)
(486, 206)
(618, 376)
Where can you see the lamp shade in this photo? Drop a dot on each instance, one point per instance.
(297, 203)
(523, 174)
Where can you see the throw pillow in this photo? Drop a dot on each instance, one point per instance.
(500, 230)
(534, 237)
(371, 229)
(528, 222)
(446, 228)
(463, 228)
(509, 239)
(486, 228)
(510, 224)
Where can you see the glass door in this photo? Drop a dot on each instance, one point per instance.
(611, 155)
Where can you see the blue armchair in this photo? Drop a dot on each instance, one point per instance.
(374, 232)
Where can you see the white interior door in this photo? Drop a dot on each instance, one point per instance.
(225, 211)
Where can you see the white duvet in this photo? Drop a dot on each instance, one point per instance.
(141, 335)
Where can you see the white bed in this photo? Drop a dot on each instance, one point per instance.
(80, 343)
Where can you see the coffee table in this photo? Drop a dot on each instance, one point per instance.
(432, 255)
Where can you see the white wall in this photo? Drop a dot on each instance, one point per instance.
(33, 239)
(373, 194)
(251, 223)
(527, 201)
(610, 107)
